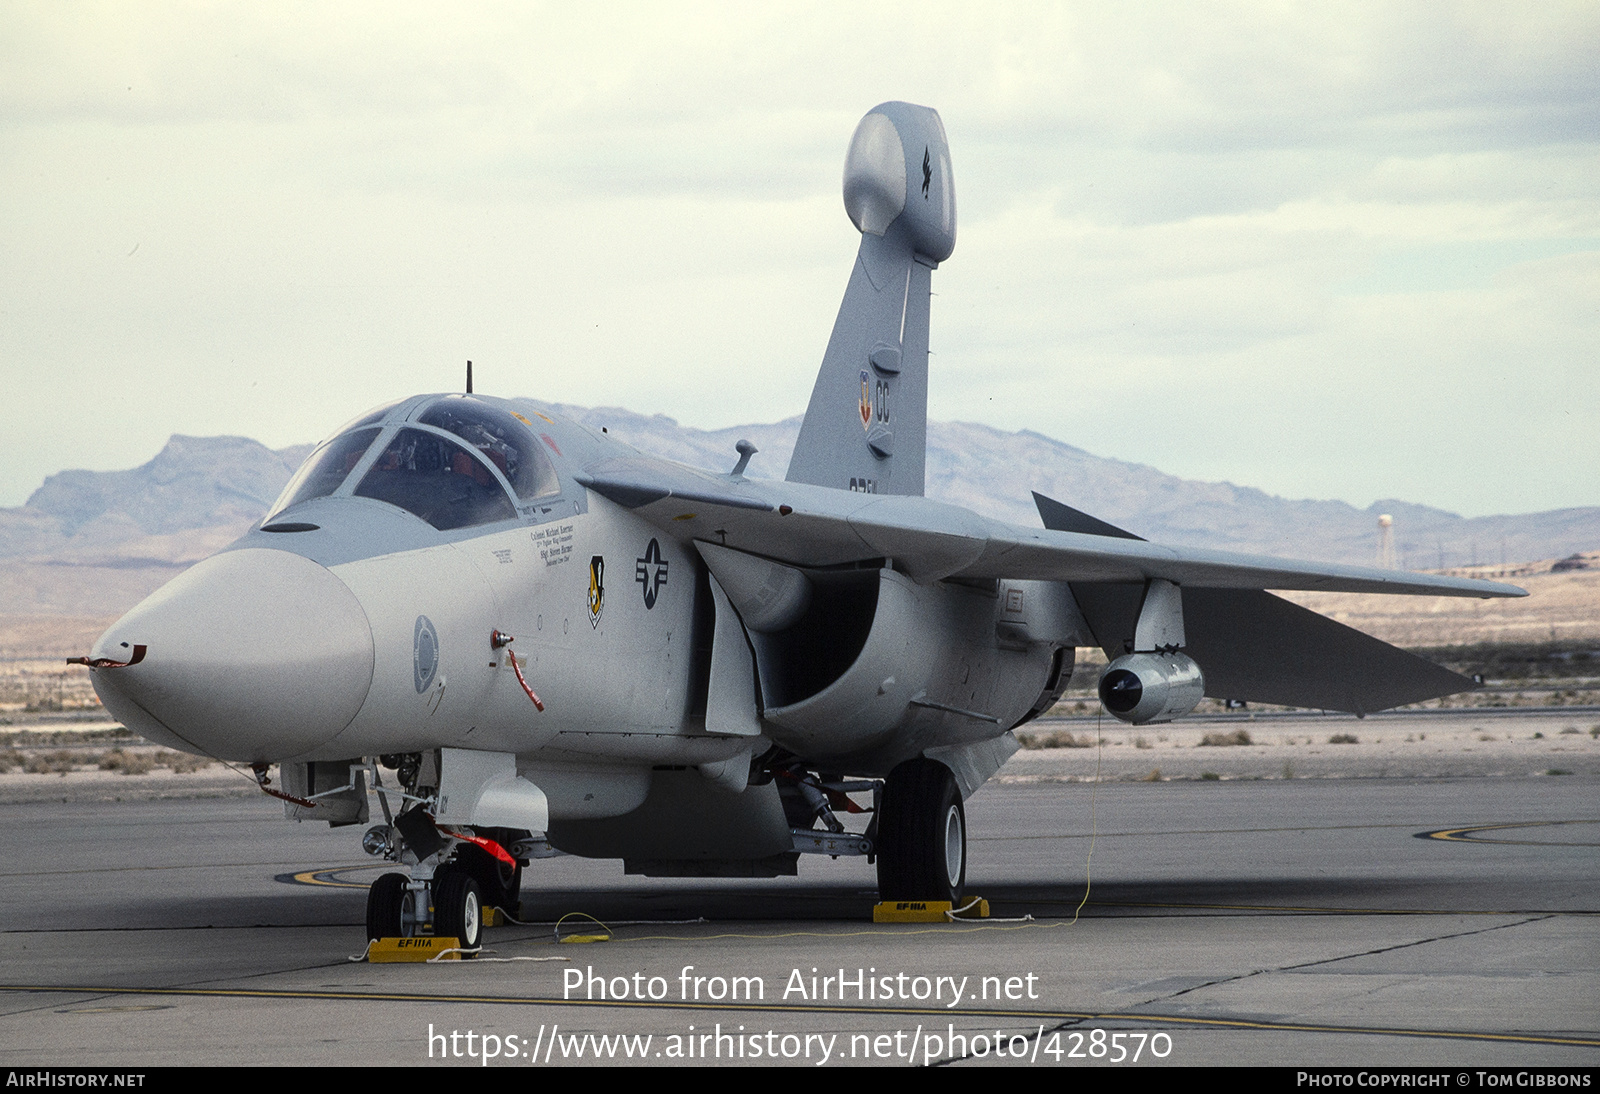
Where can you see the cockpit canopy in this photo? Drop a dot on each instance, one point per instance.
(456, 461)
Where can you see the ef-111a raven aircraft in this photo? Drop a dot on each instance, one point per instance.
(558, 643)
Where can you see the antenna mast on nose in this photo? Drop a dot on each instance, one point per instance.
(469, 377)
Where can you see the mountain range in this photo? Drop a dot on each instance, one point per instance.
(200, 492)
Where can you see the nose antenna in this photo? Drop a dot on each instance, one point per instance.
(108, 663)
(469, 377)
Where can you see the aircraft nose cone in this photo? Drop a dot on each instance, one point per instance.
(250, 655)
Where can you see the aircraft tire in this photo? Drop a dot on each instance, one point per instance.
(457, 906)
(385, 900)
(922, 834)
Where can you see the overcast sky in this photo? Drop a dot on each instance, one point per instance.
(1334, 251)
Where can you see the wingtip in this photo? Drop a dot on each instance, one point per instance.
(1502, 590)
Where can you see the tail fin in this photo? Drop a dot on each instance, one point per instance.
(867, 425)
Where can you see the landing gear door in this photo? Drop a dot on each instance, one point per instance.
(337, 789)
(483, 788)
(731, 699)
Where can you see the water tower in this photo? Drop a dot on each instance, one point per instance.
(1386, 542)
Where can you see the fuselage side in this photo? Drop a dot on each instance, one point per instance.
(418, 551)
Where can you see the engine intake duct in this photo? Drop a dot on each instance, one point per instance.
(806, 627)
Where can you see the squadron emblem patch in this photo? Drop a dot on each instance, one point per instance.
(597, 589)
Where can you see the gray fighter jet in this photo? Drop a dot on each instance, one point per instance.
(556, 643)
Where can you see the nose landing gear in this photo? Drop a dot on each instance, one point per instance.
(455, 873)
(401, 907)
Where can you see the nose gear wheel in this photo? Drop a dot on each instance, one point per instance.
(385, 907)
(457, 907)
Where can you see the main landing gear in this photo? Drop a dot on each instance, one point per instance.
(918, 831)
(921, 834)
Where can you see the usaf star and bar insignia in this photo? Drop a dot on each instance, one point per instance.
(650, 571)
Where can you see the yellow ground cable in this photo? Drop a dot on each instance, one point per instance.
(1094, 789)
(580, 938)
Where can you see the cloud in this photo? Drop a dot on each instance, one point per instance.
(258, 220)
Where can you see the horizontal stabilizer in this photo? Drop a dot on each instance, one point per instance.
(1064, 518)
(1260, 648)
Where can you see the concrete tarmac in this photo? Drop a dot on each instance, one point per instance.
(1438, 921)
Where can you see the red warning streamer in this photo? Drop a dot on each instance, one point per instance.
(266, 788)
(107, 663)
(499, 639)
(488, 845)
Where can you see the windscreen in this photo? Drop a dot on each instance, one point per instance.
(325, 469)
